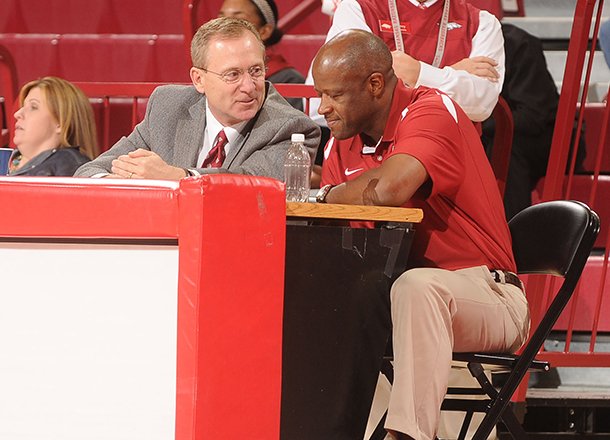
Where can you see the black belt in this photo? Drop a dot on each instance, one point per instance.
(509, 277)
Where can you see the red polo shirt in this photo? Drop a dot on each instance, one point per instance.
(464, 223)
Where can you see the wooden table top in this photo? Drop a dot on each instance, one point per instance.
(353, 212)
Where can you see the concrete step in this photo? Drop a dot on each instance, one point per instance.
(600, 73)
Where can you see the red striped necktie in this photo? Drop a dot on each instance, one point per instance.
(216, 156)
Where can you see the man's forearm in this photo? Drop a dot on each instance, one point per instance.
(356, 192)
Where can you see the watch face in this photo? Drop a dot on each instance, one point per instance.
(321, 196)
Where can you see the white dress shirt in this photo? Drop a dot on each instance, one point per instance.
(212, 128)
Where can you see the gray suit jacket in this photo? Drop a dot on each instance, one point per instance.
(174, 124)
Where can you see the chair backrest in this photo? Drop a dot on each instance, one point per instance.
(305, 91)
(553, 238)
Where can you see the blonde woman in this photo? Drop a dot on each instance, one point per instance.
(54, 129)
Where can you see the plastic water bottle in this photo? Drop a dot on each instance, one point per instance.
(297, 170)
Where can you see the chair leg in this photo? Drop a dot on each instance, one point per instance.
(512, 424)
(489, 419)
(465, 425)
(478, 372)
(498, 409)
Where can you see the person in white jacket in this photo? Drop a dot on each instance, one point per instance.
(470, 71)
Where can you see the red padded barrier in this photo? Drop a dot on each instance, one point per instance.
(73, 207)
(231, 241)
(237, 260)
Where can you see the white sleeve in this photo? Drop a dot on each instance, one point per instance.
(348, 15)
(477, 96)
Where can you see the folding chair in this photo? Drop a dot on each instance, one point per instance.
(550, 238)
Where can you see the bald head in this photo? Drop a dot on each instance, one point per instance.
(354, 78)
(355, 53)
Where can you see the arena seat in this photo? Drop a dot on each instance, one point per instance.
(492, 6)
(8, 95)
(123, 16)
(35, 55)
(117, 107)
(594, 121)
(98, 17)
(118, 57)
(592, 281)
(314, 23)
(300, 50)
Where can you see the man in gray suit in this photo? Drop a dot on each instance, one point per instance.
(229, 121)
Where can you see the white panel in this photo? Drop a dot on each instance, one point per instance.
(87, 341)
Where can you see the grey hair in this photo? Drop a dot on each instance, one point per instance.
(224, 28)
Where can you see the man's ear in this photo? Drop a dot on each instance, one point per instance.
(376, 84)
(197, 79)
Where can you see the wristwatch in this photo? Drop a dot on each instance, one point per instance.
(321, 196)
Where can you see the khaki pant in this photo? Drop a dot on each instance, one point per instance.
(434, 313)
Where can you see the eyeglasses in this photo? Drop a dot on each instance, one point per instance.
(234, 75)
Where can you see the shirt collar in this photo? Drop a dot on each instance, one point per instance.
(401, 98)
(213, 127)
(427, 3)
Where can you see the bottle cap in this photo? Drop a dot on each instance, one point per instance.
(297, 137)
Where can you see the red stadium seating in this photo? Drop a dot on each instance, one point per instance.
(585, 302)
(8, 95)
(118, 107)
(95, 17)
(492, 6)
(122, 16)
(314, 23)
(300, 50)
(129, 58)
(594, 121)
(90, 57)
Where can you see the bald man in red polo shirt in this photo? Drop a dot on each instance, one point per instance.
(414, 147)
